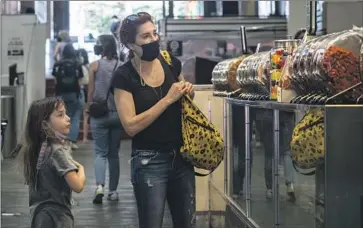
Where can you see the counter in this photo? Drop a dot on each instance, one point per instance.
(203, 96)
(238, 189)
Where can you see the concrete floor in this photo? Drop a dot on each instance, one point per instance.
(14, 197)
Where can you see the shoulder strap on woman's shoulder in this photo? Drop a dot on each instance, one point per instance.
(166, 56)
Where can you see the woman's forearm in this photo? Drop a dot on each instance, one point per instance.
(90, 94)
(141, 121)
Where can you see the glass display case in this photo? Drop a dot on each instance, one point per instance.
(327, 66)
(269, 189)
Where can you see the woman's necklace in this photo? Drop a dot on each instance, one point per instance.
(140, 72)
(152, 76)
(157, 94)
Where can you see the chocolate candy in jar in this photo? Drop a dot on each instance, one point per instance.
(216, 75)
(228, 74)
(219, 75)
(262, 79)
(340, 62)
(300, 78)
(243, 72)
(316, 77)
(253, 69)
(232, 73)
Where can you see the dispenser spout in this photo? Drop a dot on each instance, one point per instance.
(244, 40)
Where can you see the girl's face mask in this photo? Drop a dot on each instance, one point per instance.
(50, 132)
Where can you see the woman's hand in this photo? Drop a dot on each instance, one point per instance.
(189, 88)
(86, 107)
(176, 91)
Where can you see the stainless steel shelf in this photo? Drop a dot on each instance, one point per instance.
(282, 106)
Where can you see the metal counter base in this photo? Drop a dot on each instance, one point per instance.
(331, 198)
(295, 213)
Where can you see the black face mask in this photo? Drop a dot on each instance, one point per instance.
(150, 51)
(98, 49)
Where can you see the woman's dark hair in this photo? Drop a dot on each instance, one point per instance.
(130, 25)
(83, 53)
(109, 47)
(69, 52)
(35, 135)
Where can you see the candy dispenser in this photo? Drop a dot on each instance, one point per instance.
(285, 92)
(283, 48)
(339, 63)
(335, 69)
(253, 78)
(224, 77)
(263, 73)
(303, 80)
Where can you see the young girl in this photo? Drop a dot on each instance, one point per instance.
(48, 167)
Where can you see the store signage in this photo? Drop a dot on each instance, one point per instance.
(175, 47)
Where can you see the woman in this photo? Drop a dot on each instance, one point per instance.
(106, 130)
(147, 94)
(63, 39)
(83, 58)
(68, 74)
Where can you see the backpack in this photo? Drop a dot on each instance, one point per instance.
(307, 144)
(67, 75)
(203, 145)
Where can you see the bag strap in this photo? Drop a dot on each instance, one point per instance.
(306, 174)
(166, 56)
(202, 175)
(109, 88)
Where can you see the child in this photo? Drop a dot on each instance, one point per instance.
(48, 167)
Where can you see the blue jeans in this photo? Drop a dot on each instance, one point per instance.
(264, 126)
(106, 134)
(159, 176)
(74, 111)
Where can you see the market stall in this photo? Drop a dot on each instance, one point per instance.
(287, 114)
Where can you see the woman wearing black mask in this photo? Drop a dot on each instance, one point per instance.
(147, 93)
(106, 129)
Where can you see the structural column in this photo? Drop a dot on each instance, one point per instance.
(342, 15)
(10, 7)
(24, 5)
(248, 8)
(61, 15)
(298, 17)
